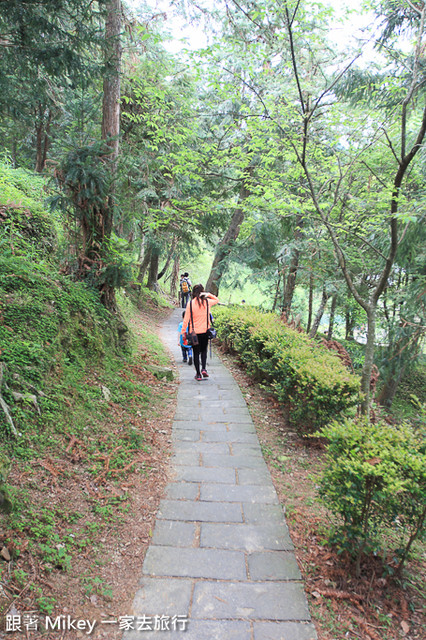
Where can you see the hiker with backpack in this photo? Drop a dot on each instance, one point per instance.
(185, 289)
(197, 326)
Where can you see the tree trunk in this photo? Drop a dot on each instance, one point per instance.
(320, 313)
(111, 97)
(175, 278)
(153, 271)
(387, 392)
(277, 290)
(222, 251)
(290, 284)
(39, 136)
(402, 352)
(14, 152)
(168, 259)
(349, 325)
(111, 117)
(368, 361)
(111, 82)
(142, 246)
(42, 137)
(310, 300)
(331, 320)
(224, 246)
(144, 265)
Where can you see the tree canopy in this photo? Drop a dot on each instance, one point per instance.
(291, 158)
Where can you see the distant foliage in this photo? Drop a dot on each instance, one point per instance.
(311, 381)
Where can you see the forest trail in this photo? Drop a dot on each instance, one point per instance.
(221, 558)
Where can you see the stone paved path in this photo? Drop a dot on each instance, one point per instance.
(220, 553)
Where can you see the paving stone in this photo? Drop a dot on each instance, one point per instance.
(212, 426)
(204, 474)
(168, 596)
(273, 565)
(247, 537)
(221, 448)
(232, 403)
(189, 394)
(235, 461)
(187, 425)
(255, 601)
(198, 630)
(284, 631)
(199, 511)
(186, 435)
(220, 416)
(174, 534)
(186, 458)
(239, 419)
(242, 449)
(210, 389)
(248, 476)
(238, 411)
(262, 513)
(227, 394)
(191, 413)
(183, 490)
(218, 436)
(205, 394)
(195, 563)
(242, 427)
(238, 493)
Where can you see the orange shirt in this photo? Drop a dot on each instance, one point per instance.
(199, 314)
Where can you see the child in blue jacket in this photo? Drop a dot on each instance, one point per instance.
(186, 348)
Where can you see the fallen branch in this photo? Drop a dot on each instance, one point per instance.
(366, 628)
(72, 442)
(338, 595)
(49, 467)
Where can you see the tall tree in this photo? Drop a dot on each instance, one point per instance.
(112, 79)
(403, 151)
(45, 45)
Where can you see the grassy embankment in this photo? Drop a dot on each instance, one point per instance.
(83, 440)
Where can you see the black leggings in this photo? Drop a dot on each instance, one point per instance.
(200, 349)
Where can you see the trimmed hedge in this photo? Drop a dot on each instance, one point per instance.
(311, 381)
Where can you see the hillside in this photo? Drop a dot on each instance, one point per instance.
(83, 438)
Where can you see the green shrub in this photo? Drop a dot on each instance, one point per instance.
(308, 379)
(375, 481)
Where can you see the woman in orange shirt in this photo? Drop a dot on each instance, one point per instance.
(199, 322)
